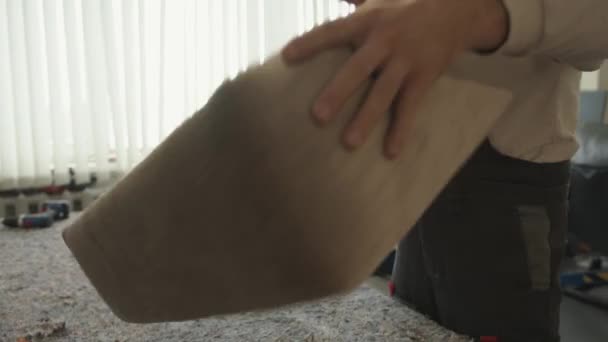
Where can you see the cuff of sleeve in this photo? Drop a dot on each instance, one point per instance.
(526, 23)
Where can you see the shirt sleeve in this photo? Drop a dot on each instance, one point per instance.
(569, 31)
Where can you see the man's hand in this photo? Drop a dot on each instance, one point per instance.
(409, 44)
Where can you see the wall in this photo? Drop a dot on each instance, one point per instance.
(596, 80)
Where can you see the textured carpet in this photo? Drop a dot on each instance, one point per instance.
(45, 297)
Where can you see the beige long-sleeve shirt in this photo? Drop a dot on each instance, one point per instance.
(552, 41)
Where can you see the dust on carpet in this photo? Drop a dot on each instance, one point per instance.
(44, 296)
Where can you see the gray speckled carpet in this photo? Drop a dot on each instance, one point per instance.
(45, 297)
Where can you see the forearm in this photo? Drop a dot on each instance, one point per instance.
(569, 31)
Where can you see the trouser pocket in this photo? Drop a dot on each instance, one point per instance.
(535, 226)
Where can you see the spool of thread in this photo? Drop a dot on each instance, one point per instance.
(40, 220)
(60, 208)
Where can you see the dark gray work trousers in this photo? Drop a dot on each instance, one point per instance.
(484, 259)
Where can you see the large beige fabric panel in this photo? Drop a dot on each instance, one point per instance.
(248, 205)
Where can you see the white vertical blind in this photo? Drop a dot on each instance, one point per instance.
(21, 106)
(38, 89)
(79, 108)
(57, 80)
(9, 162)
(95, 85)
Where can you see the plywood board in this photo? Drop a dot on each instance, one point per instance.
(250, 193)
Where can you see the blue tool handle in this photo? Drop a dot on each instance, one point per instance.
(41, 220)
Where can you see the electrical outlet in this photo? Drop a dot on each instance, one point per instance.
(77, 205)
(10, 210)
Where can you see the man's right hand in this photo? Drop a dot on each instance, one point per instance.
(408, 44)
